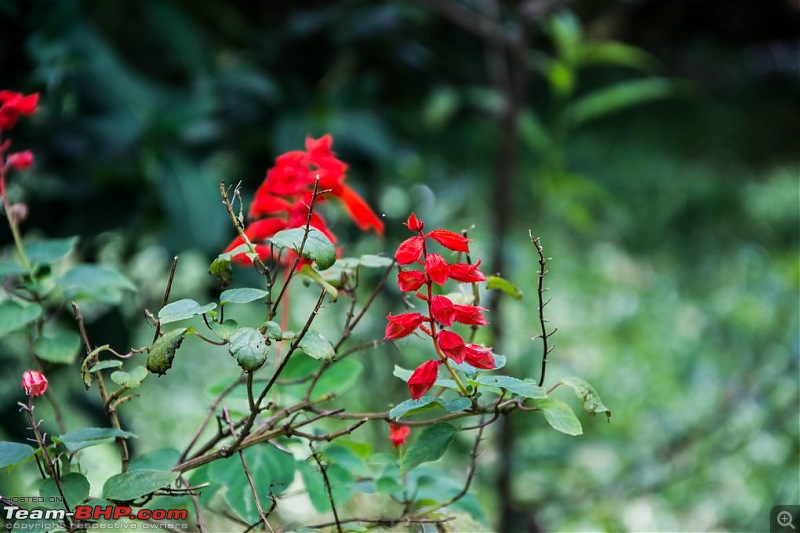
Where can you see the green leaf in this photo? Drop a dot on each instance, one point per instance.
(221, 269)
(49, 251)
(11, 268)
(404, 374)
(615, 53)
(429, 445)
(526, 389)
(62, 348)
(587, 395)
(95, 283)
(12, 453)
(241, 296)
(75, 487)
(160, 459)
(496, 282)
(130, 379)
(560, 416)
(532, 131)
(347, 459)
(226, 329)
(340, 480)
(337, 378)
(317, 247)
(623, 95)
(471, 371)
(102, 365)
(309, 272)
(137, 483)
(86, 437)
(183, 309)
(459, 404)
(375, 261)
(14, 316)
(162, 352)
(315, 345)
(412, 407)
(274, 330)
(249, 348)
(271, 469)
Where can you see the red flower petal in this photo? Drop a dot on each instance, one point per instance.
(479, 356)
(398, 434)
(450, 240)
(436, 268)
(466, 273)
(452, 345)
(410, 280)
(443, 310)
(401, 325)
(360, 211)
(423, 378)
(20, 160)
(470, 314)
(409, 250)
(414, 224)
(34, 383)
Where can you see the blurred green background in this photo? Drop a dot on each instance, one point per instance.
(661, 175)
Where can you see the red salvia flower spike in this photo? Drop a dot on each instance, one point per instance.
(436, 268)
(423, 379)
(450, 240)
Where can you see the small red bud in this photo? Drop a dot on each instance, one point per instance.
(34, 383)
(20, 160)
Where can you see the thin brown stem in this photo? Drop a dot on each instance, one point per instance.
(327, 482)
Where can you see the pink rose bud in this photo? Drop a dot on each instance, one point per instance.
(34, 383)
(20, 160)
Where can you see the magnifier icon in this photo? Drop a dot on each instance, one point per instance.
(785, 519)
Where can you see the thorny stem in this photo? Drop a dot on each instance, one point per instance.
(167, 290)
(540, 289)
(324, 472)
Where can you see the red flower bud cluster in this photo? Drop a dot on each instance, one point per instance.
(283, 199)
(34, 383)
(12, 106)
(442, 311)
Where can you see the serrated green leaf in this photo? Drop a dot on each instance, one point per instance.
(86, 437)
(496, 282)
(74, 486)
(130, 379)
(315, 345)
(412, 407)
(560, 416)
(526, 389)
(95, 283)
(14, 316)
(49, 251)
(317, 246)
(12, 453)
(183, 309)
(589, 398)
(136, 483)
(429, 445)
(62, 348)
(375, 261)
(102, 365)
(242, 296)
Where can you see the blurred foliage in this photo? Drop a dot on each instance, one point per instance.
(672, 223)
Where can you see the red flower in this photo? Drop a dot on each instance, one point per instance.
(398, 434)
(479, 356)
(359, 210)
(15, 105)
(20, 160)
(414, 224)
(34, 383)
(401, 325)
(470, 314)
(450, 240)
(443, 310)
(409, 250)
(410, 280)
(423, 378)
(452, 345)
(466, 273)
(436, 268)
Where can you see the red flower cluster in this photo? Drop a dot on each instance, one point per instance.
(283, 199)
(441, 310)
(398, 434)
(34, 383)
(12, 106)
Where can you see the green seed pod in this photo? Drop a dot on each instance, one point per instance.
(249, 348)
(162, 352)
